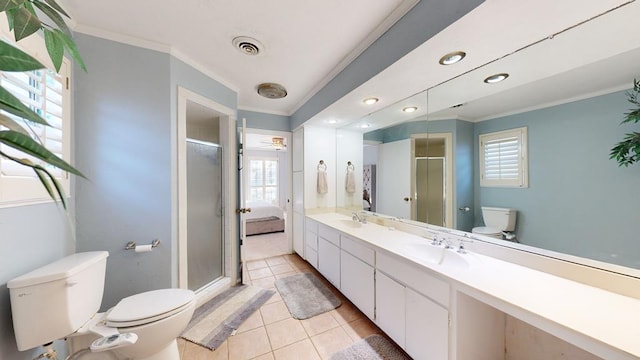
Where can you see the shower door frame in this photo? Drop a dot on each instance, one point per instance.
(179, 219)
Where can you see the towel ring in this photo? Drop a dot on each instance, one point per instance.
(350, 166)
(322, 165)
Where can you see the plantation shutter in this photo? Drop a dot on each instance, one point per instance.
(503, 158)
(42, 91)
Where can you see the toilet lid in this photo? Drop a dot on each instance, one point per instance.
(148, 307)
(486, 230)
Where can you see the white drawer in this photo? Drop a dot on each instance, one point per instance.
(310, 225)
(414, 277)
(312, 257)
(330, 234)
(311, 240)
(357, 249)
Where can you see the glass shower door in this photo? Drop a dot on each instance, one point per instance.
(204, 213)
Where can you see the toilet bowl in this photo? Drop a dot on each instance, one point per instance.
(157, 317)
(63, 300)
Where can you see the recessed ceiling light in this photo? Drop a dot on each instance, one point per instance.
(452, 58)
(365, 126)
(370, 101)
(410, 109)
(332, 121)
(496, 78)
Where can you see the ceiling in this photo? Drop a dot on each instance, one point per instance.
(573, 46)
(305, 43)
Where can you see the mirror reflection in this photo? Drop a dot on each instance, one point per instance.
(550, 124)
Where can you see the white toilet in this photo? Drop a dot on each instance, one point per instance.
(61, 300)
(497, 221)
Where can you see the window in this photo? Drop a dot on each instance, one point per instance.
(503, 158)
(47, 94)
(263, 181)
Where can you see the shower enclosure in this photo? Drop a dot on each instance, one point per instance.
(204, 214)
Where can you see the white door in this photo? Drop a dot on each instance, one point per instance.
(394, 183)
(390, 308)
(329, 261)
(357, 282)
(427, 328)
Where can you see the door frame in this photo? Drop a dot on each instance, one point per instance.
(230, 236)
(449, 162)
(289, 191)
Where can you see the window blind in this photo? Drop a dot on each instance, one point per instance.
(42, 91)
(503, 158)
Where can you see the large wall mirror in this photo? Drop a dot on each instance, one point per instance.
(569, 92)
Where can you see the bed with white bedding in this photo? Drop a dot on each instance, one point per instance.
(264, 218)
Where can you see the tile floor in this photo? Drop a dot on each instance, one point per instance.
(271, 333)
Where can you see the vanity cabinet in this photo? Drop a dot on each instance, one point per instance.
(311, 242)
(357, 275)
(412, 308)
(329, 254)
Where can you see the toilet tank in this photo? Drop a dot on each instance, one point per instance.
(499, 218)
(55, 300)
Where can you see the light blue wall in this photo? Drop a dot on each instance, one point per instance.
(427, 18)
(30, 236)
(257, 120)
(578, 201)
(123, 144)
(463, 174)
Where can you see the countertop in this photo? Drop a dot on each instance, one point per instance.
(602, 322)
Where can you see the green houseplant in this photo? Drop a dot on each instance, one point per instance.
(26, 17)
(627, 151)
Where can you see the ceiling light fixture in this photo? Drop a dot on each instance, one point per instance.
(452, 58)
(410, 109)
(278, 143)
(365, 126)
(332, 121)
(370, 101)
(272, 90)
(496, 78)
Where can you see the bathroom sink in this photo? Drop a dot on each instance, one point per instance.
(350, 223)
(436, 255)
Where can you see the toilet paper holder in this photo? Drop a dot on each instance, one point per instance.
(131, 245)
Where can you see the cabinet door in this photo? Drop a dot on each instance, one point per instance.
(298, 233)
(357, 282)
(390, 307)
(427, 327)
(329, 261)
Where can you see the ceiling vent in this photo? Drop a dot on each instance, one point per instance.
(272, 90)
(247, 45)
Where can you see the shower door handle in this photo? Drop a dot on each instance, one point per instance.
(243, 210)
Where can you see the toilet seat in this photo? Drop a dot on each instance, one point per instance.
(148, 307)
(487, 231)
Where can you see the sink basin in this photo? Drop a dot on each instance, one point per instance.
(436, 255)
(350, 223)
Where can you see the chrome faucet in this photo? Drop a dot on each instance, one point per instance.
(359, 218)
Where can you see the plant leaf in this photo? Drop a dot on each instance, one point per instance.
(10, 4)
(11, 124)
(44, 181)
(13, 105)
(53, 15)
(56, 184)
(73, 49)
(55, 48)
(29, 146)
(57, 7)
(14, 59)
(25, 22)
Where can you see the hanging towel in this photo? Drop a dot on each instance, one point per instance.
(322, 178)
(350, 180)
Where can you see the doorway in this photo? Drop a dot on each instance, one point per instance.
(267, 192)
(207, 258)
(432, 178)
